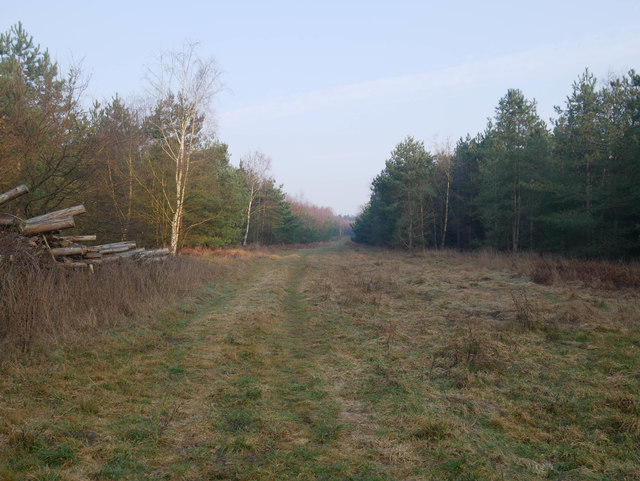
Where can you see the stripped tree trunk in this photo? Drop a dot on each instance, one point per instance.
(13, 193)
(47, 225)
(68, 212)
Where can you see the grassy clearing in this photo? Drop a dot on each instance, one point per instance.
(481, 374)
(340, 362)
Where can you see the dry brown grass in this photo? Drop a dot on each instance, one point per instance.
(600, 274)
(41, 304)
(227, 252)
(342, 363)
(490, 374)
(250, 251)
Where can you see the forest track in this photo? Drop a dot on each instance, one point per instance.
(339, 363)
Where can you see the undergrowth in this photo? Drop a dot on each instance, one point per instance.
(601, 274)
(40, 304)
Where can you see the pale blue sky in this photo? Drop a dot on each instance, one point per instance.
(328, 88)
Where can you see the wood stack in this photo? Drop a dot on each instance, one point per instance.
(43, 232)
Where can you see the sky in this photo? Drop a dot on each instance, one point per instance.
(328, 88)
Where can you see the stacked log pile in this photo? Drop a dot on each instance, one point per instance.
(43, 232)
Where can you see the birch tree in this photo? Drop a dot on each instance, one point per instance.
(182, 89)
(255, 167)
(444, 167)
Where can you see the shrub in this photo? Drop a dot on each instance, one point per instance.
(603, 274)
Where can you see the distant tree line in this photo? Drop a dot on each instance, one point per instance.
(154, 173)
(572, 188)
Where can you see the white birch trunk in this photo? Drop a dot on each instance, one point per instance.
(246, 232)
(446, 212)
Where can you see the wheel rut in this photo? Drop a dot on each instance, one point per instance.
(257, 398)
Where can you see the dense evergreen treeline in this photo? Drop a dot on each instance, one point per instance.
(116, 159)
(521, 185)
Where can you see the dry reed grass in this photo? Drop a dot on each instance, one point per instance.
(601, 274)
(40, 305)
(226, 252)
(250, 251)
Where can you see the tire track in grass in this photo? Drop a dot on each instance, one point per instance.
(261, 409)
(303, 377)
(297, 421)
(210, 427)
(244, 395)
(151, 446)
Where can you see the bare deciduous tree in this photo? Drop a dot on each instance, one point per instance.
(182, 89)
(255, 166)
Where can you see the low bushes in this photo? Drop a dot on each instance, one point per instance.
(603, 274)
